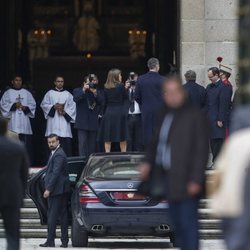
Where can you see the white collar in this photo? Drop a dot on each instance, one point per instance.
(53, 151)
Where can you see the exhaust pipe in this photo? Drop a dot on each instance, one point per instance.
(97, 228)
(163, 228)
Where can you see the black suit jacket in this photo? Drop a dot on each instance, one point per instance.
(196, 94)
(188, 139)
(148, 94)
(86, 118)
(56, 177)
(13, 172)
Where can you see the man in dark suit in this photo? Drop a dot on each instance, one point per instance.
(57, 187)
(13, 178)
(180, 149)
(149, 96)
(218, 102)
(88, 102)
(196, 92)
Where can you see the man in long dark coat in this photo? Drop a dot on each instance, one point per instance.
(148, 94)
(218, 100)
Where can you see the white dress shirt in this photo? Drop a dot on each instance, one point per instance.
(137, 107)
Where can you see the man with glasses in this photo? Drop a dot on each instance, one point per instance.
(59, 111)
(217, 103)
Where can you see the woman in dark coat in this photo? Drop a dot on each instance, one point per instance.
(113, 126)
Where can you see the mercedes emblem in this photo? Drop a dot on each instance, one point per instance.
(130, 185)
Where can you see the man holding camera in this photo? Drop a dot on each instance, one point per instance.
(134, 116)
(88, 101)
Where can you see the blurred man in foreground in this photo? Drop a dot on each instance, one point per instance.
(180, 150)
(13, 178)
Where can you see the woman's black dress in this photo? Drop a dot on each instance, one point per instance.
(114, 126)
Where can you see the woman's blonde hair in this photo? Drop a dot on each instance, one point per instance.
(112, 79)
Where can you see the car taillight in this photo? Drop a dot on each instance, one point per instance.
(87, 196)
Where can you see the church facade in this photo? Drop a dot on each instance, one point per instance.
(187, 34)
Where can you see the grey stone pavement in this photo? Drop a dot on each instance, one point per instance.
(97, 244)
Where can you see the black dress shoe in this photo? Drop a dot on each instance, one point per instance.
(64, 245)
(46, 244)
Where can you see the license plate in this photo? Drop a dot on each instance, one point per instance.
(127, 196)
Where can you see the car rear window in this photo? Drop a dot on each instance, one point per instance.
(114, 167)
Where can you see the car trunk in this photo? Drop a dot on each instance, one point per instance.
(121, 193)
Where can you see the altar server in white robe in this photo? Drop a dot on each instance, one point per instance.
(18, 106)
(59, 110)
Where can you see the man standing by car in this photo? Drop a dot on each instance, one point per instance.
(180, 152)
(88, 101)
(148, 95)
(57, 187)
(13, 179)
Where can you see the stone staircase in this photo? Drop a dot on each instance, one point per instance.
(31, 227)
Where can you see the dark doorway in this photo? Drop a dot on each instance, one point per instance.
(40, 42)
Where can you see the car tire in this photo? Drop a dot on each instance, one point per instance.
(79, 236)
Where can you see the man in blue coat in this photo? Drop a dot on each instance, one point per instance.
(88, 102)
(148, 94)
(196, 92)
(217, 103)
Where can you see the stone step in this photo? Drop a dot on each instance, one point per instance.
(42, 233)
(28, 203)
(206, 214)
(212, 224)
(29, 213)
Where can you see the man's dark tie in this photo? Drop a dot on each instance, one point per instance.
(132, 102)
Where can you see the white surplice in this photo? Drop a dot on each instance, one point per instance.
(19, 121)
(58, 124)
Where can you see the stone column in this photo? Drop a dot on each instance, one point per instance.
(209, 29)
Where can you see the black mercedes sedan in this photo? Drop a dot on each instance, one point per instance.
(104, 199)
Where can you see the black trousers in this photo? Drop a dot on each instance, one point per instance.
(216, 145)
(135, 133)
(86, 142)
(11, 221)
(58, 212)
(66, 144)
(27, 141)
